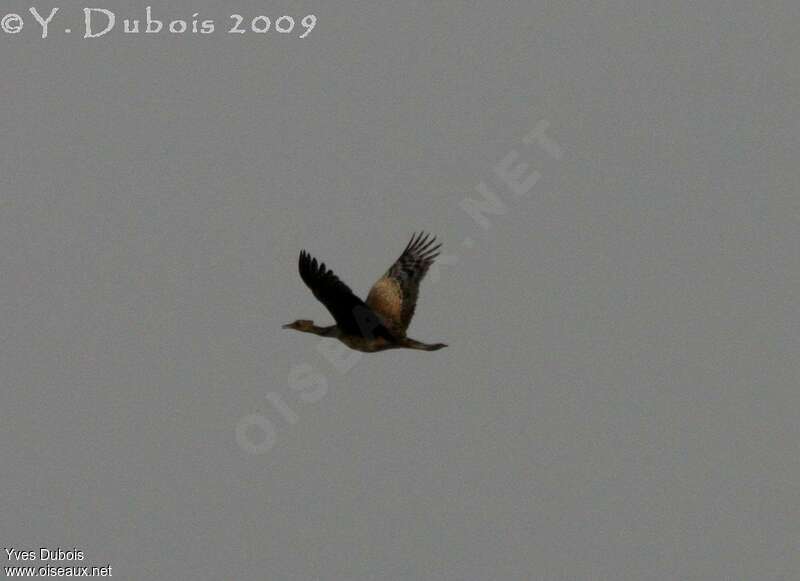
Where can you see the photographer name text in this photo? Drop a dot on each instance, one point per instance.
(94, 22)
(52, 562)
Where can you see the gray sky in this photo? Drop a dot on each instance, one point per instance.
(619, 398)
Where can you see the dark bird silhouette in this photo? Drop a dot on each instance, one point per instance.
(380, 323)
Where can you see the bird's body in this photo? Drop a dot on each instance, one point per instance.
(380, 323)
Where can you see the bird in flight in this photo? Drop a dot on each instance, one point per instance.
(380, 323)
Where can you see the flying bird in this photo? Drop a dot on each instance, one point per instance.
(380, 323)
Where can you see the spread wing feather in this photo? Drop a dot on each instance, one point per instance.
(394, 295)
(352, 315)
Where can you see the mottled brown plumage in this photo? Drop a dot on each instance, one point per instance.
(394, 296)
(381, 322)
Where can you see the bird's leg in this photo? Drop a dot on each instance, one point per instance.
(413, 344)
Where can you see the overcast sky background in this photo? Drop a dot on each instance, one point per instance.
(619, 399)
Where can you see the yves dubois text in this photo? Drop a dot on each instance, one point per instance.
(93, 22)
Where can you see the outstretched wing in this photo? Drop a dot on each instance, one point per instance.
(394, 296)
(352, 316)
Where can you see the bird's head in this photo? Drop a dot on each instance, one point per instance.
(300, 325)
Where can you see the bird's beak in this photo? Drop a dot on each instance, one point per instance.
(286, 326)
